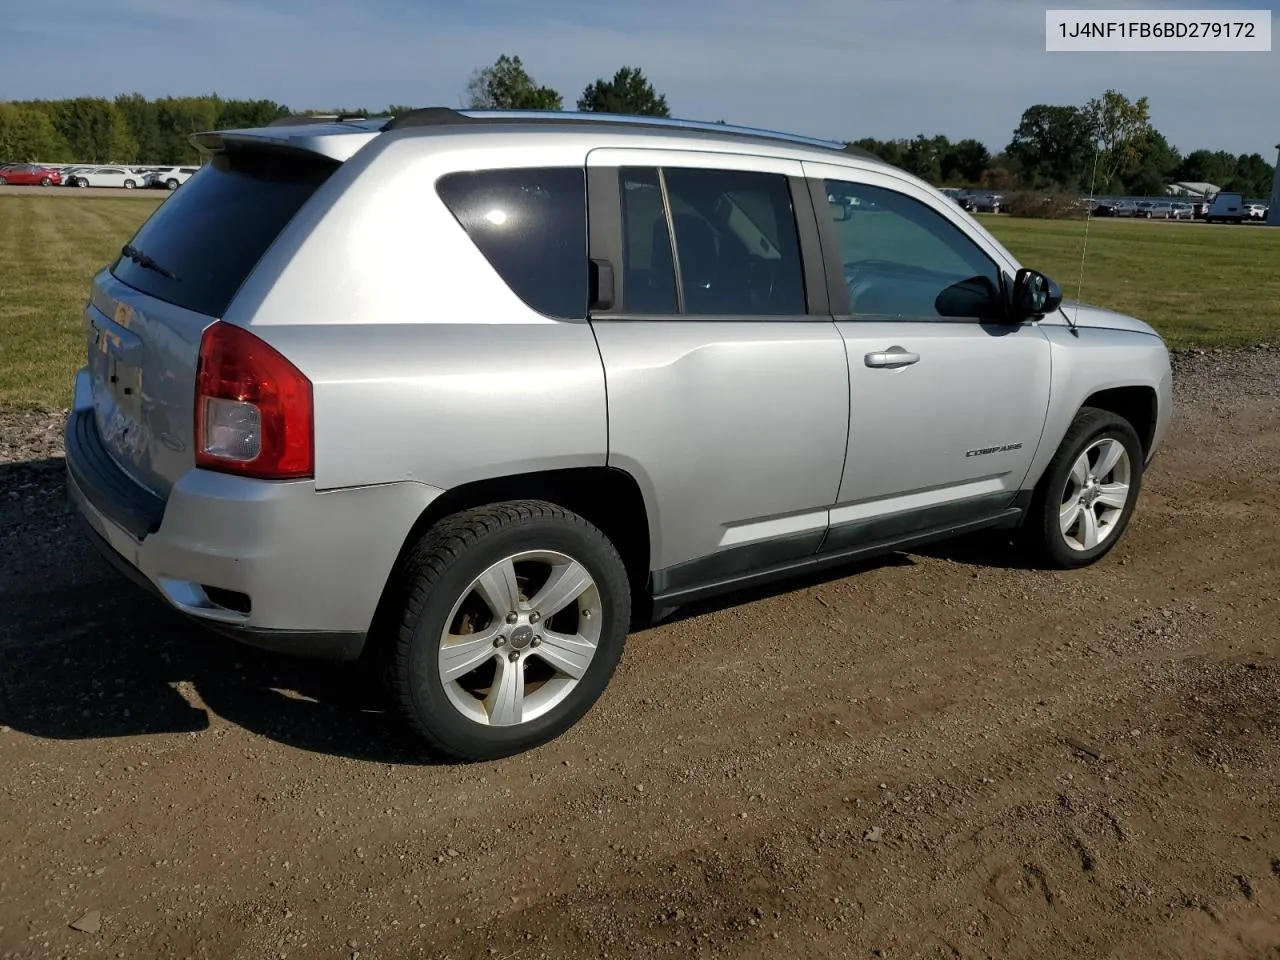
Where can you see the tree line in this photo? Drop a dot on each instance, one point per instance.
(1107, 144)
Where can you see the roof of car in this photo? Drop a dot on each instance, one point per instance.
(339, 137)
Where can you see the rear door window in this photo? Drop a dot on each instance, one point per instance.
(212, 234)
(736, 252)
(531, 225)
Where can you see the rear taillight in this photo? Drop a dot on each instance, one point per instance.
(253, 408)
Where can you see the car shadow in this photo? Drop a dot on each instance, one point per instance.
(85, 654)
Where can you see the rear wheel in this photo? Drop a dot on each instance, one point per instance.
(129, 184)
(3, 182)
(46, 182)
(1088, 491)
(82, 182)
(513, 618)
(171, 184)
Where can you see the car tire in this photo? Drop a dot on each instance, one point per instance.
(1079, 514)
(82, 182)
(46, 182)
(479, 708)
(171, 184)
(129, 184)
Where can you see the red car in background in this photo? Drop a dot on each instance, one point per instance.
(29, 174)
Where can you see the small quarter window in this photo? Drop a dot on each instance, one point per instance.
(531, 225)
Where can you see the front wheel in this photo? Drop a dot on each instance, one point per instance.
(1087, 495)
(171, 184)
(82, 182)
(512, 619)
(129, 184)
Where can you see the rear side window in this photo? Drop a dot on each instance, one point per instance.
(736, 251)
(531, 225)
(213, 232)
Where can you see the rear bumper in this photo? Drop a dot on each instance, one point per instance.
(275, 564)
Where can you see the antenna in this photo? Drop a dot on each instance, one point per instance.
(1084, 246)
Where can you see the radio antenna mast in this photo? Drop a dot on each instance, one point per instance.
(1084, 245)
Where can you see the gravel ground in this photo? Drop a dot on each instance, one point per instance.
(937, 755)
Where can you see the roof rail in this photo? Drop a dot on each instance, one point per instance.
(298, 120)
(442, 116)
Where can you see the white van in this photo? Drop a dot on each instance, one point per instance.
(1226, 208)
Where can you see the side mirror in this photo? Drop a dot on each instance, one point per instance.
(1034, 295)
(839, 210)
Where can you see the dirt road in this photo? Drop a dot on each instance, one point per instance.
(942, 755)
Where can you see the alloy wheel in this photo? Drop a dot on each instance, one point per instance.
(520, 638)
(1095, 495)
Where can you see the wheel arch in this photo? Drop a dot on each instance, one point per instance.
(606, 497)
(1139, 405)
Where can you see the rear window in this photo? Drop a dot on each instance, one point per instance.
(531, 225)
(212, 233)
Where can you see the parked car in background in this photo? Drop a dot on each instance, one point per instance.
(1226, 208)
(1157, 210)
(125, 177)
(987, 202)
(169, 178)
(1113, 208)
(30, 175)
(1182, 211)
(1255, 211)
(268, 434)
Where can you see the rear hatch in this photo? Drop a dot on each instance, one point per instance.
(175, 277)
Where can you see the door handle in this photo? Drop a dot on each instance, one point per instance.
(893, 357)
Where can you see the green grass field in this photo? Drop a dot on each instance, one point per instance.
(1199, 285)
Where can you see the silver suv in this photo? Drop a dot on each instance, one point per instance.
(470, 394)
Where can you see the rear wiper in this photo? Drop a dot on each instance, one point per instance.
(144, 261)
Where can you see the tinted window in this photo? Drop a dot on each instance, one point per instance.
(649, 273)
(212, 234)
(736, 243)
(903, 259)
(531, 225)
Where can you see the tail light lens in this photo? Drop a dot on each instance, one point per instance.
(253, 408)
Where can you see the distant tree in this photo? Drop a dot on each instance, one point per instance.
(999, 174)
(179, 118)
(964, 161)
(1052, 146)
(922, 156)
(1207, 166)
(890, 151)
(628, 92)
(28, 133)
(141, 118)
(235, 114)
(1120, 129)
(396, 109)
(1150, 169)
(1252, 176)
(95, 130)
(506, 85)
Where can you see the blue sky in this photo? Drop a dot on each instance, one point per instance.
(838, 68)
